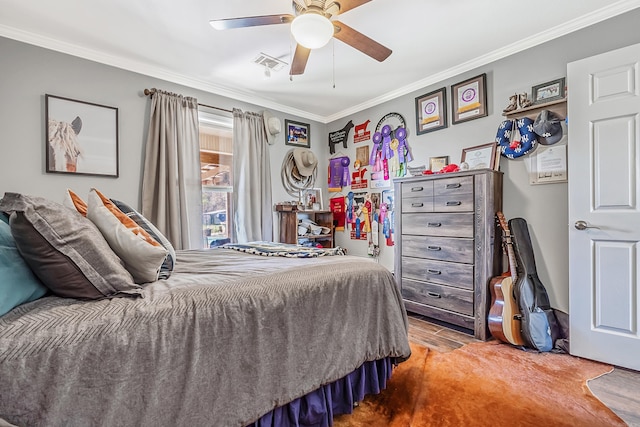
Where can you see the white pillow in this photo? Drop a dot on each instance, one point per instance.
(141, 254)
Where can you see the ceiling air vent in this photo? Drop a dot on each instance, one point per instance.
(269, 62)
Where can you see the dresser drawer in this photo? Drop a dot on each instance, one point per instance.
(417, 189)
(453, 203)
(448, 298)
(443, 272)
(417, 204)
(451, 249)
(438, 224)
(455, 185)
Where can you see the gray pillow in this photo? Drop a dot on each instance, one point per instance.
(66, 250)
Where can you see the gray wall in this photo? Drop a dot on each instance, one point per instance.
(28, 72)
(544, 206)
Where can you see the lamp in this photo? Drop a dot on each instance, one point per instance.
(312, 29)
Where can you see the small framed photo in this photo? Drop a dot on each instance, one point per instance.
(469, 99)
(81, 137)
(437, 163)
(481, 156)
(313, 200)
(549, 91)
(297, 134)
(431, 111)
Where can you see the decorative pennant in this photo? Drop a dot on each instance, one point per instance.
(337, 207)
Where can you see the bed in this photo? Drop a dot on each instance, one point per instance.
(229, 339)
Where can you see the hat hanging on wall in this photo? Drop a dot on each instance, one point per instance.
(306, 161)
(272, 126)
(548, 127)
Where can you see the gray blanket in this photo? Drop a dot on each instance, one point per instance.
(228, 337)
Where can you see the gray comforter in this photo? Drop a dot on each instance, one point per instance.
(228, 337)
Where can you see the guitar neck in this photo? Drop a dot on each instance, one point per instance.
(512, 258)
(508, 244)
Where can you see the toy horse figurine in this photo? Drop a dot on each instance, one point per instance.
(64, 150)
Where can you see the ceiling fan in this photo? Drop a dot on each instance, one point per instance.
(312, 28)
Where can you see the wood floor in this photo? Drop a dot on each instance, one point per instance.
(619, 390)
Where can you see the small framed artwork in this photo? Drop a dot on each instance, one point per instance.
(469, 99)
(481, 156)
(437, 163)
(81, 137)
(297, 134)
(549, 91)
(431, 111)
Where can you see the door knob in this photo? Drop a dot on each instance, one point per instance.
(582, 225)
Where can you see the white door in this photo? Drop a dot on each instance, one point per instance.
(604, 195)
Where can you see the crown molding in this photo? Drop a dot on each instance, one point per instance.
(568, 27)
(151, 71)
(602, 14)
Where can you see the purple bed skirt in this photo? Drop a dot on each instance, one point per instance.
(317, 408)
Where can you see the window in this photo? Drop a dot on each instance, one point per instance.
(216, 160)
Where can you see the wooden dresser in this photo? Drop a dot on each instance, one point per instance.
(448, 245)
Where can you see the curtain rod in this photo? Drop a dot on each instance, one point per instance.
(153, 90)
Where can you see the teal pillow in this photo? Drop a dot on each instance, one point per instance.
(18, 284)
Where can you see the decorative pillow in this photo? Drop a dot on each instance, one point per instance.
(73, 201)
(65, 250)
(142, 255)
(170, 261)
(17, 282)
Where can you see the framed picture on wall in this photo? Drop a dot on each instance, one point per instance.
(431, 111)
(549, 91)
(81, 137)
(297, 134)
(469, 99)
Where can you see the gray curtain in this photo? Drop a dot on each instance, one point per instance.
(253, 218)
(171, 186)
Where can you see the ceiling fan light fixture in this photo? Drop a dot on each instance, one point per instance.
(312, 30)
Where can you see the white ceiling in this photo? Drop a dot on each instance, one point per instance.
(431, 40)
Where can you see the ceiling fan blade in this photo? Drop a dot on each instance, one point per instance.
(346, 5)
(299, 61)
(364, 44)
(250, 21)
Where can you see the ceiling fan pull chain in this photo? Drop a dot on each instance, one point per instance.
(333, 47)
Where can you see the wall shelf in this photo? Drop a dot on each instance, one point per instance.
(559, 107)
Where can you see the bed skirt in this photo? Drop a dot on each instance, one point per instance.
(317, 408)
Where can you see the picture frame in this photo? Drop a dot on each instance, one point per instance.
(297, 134)
(469, 99)
(480, 156)
(81, 137)
(313, 199)
(548, 165)
(437, 163)
(547, 92)
(431, 111)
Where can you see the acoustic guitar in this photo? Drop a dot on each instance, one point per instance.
(504, 315)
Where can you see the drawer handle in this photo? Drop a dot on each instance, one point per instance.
(434, 248)
(434, 271)
(434, 224)
(456, 185)
(417, 205)
(434, 294)
(414, 189)
(455, 203)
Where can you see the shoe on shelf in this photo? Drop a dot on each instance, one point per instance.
(523, 100)
(513, 104)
